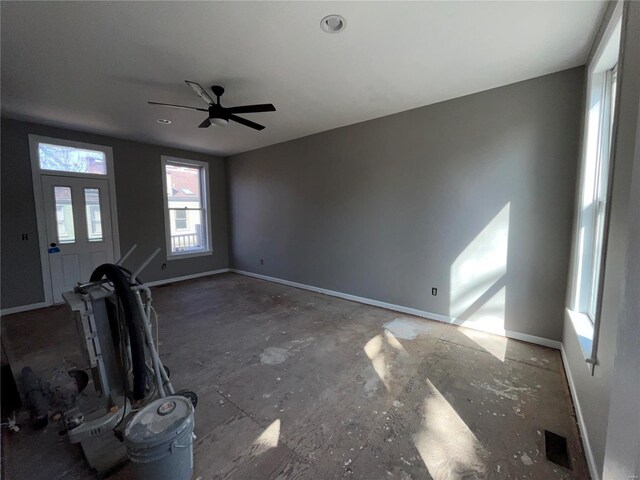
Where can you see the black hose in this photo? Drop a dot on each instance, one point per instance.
(133, 319)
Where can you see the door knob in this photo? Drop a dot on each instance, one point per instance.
(53, 244)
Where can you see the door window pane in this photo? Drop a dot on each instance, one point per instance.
(64, 215)
(94, 218)
(69, 159)
(62, 227)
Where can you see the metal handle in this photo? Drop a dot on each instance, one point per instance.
(124, 257)
(175, 443)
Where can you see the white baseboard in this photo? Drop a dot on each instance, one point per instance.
(155, 283)
(583, 427)
(34, 306)
(411, 311)
(23, 308)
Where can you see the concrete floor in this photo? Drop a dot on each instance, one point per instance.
(298, 385)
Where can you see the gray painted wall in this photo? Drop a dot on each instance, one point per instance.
(383, 209)
(594, 392)
(140, 209)
(622, 455)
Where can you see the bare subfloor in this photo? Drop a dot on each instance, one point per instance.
(298, 385)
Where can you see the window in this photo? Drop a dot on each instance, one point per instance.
(594, 192)
(600, 190)
(61, 158)
(186, 195)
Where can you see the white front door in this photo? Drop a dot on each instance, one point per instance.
(79, 236)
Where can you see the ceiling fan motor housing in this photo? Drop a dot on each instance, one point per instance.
(217, 91)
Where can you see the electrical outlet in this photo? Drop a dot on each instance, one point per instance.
(261, 261)
(434, 291)
(25, 236)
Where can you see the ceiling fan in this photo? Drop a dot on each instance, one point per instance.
(219, 115)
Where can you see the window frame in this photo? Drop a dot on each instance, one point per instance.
(205, 203)
(600, 197)
(598, 144)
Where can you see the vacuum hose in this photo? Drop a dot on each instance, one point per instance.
(133, 318)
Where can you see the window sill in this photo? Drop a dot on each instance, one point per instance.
(584, 331)
(179, 256)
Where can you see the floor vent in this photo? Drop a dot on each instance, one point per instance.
(556, 450)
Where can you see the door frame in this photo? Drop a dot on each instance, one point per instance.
(38, 197)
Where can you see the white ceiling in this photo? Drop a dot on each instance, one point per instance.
(93, 66)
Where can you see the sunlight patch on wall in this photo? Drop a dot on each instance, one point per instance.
(477, 293)
(489, 316)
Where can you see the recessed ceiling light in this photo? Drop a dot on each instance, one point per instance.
(333, 23)
(163, 121)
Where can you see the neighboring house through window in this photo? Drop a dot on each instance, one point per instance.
(60, 217)
(182, 220)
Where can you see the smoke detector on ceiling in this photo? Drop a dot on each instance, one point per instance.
(163, 121)
(333, 23)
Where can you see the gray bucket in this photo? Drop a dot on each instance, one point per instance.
(159, 440)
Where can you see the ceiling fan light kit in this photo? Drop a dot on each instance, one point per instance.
(219, 115)
(220, 122)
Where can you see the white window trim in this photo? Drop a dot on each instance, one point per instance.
(204, 191)
(38, 196)
(587, 328)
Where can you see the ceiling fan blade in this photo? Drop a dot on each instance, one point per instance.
(200, 92)
(178, 106)
(265, 107)
(205, 124)
(245, 122)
